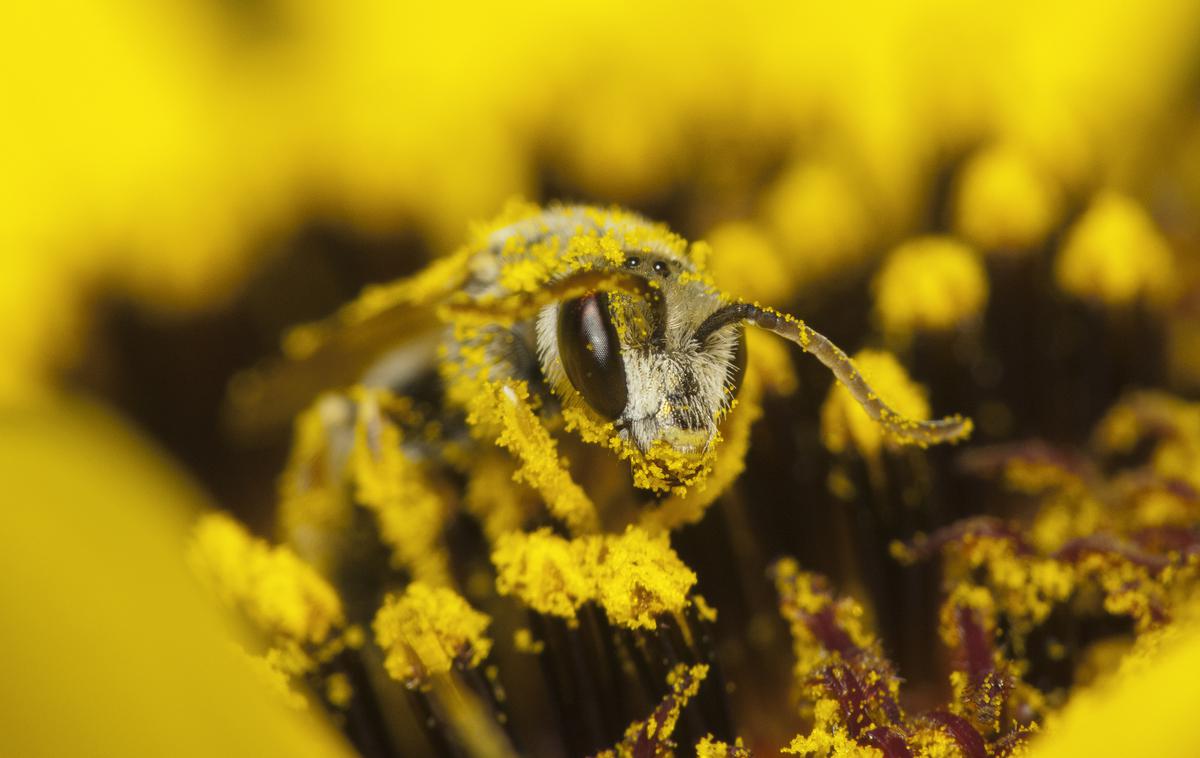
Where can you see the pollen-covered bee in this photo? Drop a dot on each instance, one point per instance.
(593, 320)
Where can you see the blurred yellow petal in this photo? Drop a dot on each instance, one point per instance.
(1150, 711)
(113, 648)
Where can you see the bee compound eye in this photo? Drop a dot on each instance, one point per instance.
(591, 353)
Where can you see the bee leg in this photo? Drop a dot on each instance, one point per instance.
(362, 336)
(503, 412)
(315, 511)
(356, 507)
(356, 449)
(500, 504)
(394, 481)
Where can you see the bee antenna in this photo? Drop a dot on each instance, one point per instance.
(733, 313)
(949, 429)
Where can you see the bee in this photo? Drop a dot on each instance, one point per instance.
(590, 318)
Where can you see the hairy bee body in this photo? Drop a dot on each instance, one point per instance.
(591, 320)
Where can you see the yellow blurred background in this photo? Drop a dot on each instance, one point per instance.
(154, 151)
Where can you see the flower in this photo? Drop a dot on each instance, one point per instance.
(121, 622)
(458, 560)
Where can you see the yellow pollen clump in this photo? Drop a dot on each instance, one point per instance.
(427, 630)
(662, 468)
(845, 425)
(1027, 587)
(639, 577)
(634, 576)
(543, 570)
(803, 593)
(1066, 517)
(1032, 477)
(1172, 422)
(747, 265)
(967, 596)
(1162, 508)
(524, 275)
(711, 747)
(506, 407)
(1114, 255)
(1005, 202)
(704, 610)
(1120, 428)
(929, 284)
(828, 737)
(277, 591)
(937, 743)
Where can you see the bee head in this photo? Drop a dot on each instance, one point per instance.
(678, 397)
(664, 369)
(636, 363)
